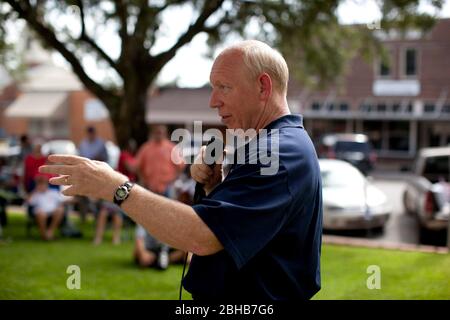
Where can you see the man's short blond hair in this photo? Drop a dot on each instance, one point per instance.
(261, 58)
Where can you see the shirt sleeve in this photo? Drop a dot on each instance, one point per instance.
(247, 210)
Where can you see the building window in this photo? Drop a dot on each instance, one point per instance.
(384, 65)
(409, 108)
(373, 129)
(343, 107)
(315, 106)
(411, 62)
(398, 135)
(429, 108)
(381, 107)
(36, 127)
(366, 107)
(385, 69)
(396, 107)
(59, 128)
(330, 107)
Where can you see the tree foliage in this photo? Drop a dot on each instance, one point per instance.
(307, 32)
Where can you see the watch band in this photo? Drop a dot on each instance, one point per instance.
(122, 193)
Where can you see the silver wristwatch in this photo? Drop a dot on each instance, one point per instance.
(122, 192)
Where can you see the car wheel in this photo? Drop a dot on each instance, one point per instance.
(425, 235)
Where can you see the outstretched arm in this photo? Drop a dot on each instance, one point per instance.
(169, 221)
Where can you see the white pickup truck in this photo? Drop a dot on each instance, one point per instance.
(427, 193)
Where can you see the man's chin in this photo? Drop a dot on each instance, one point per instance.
(227, 123)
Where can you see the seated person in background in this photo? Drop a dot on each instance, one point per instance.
(47, 203)
(108, 209)
(184, 187)
(32, 162)
(149, 252)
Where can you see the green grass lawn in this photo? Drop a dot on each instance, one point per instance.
(32, 269)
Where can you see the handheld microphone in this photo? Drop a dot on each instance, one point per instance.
(199, 191)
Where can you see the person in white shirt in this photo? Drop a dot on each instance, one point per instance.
(47, 203)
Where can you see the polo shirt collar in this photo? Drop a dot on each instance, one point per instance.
(290, 120)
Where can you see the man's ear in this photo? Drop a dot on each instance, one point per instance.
(265, 86)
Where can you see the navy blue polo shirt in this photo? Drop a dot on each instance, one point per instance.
(269, 225)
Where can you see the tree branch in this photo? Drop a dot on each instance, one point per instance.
(198, 26)
(84, 37)
(142, 23)
(28, 13)
(122, 13)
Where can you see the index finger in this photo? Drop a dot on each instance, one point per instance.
(56, 169)
(65, 159)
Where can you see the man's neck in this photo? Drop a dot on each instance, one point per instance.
(272, 112)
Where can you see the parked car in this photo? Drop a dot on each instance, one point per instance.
(59, 147)
(113, 154)
(68, 147)
(350, 200)
(427, 193)
(353, 148)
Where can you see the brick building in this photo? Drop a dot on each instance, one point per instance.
(402, 103)
(50, 102)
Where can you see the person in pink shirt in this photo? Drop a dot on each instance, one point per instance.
(155, 167)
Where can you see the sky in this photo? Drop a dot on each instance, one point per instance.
(190, 67)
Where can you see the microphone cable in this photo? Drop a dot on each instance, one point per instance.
(199, 194)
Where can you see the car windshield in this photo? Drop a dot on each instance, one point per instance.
(342, 177)
(437, 169)
(352, 146)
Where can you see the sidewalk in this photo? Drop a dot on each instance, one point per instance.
(346, 241)
(391, 175)
(370, 243)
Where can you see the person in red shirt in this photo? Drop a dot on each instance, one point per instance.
(127, 161)
(32, 163)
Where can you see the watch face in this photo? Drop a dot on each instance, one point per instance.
(121, 193)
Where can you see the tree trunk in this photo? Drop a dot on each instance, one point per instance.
(128, 118)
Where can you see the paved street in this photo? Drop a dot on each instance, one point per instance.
(400, 227)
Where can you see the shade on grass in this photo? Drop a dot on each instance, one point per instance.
(32, 269)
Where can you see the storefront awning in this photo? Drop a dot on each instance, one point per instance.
(36, 105)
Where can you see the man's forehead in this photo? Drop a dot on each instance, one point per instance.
(228, 63)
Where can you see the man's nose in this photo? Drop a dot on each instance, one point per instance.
(215, 101)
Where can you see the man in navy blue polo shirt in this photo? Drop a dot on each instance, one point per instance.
(269, 225)
(257, 233)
